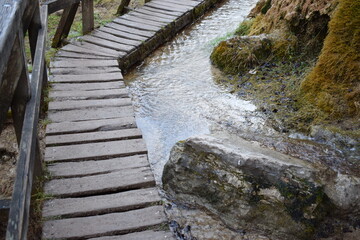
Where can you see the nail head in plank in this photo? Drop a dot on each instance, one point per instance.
(131, 30)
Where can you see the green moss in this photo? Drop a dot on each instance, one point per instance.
(333, 85)
(244, 27)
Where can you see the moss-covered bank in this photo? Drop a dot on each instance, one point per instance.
(307, 73)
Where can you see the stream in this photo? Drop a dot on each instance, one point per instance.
(174, 91)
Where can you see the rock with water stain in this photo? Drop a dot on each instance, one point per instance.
(255, 189)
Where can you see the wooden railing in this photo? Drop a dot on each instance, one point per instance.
(23, 95)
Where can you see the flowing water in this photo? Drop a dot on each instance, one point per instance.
(175, 92)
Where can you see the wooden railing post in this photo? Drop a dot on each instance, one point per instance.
(87, 16)
(122, 7)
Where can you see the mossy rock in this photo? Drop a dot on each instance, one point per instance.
(240, 54)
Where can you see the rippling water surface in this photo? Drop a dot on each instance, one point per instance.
(175, 93)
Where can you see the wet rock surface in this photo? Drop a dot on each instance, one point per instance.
(255, 189)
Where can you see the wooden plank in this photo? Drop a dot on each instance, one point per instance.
(95, 150)
(131, 30)
(66, 54)
(84, 63)
(166, 8)
(118, 202)
(115, 223)
(140, 26)
(91, 46)
(117, 39)
(87, 87)
(80, 104)
(155, 14)
(92, 114)
(123, 34)
(145, 235)
(83, 70)
(102, 77)
(87, 168)
(90, 126)
(180, 8)
(101, 183)
(82, 50)
(163, 11)
(63, 29)
(152, 18)
(87, 16)
(108, 44)
(182, 2)
(140, 19)
(87, 95)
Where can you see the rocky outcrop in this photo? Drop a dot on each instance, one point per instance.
(255, 189)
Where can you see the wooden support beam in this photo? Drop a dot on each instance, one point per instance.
(122, 9)
(64, 26)
(87, 16)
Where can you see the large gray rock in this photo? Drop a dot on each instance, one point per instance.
(255, 189)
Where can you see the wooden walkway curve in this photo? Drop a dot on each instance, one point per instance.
(101, 183)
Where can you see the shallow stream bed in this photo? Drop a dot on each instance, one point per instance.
(175, 92)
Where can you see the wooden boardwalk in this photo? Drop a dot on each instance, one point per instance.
(101, 183)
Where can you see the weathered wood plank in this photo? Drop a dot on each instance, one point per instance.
(172, 5)
(84, 63)
(136, 25)
(66, 54)
(152, 18)
(123, 34)
(90, 126)
(92, 113)
(87, 168)
(88, 95)
(82, 50)
(155, 14)
(115, 223)
(101, 183)
(81, 104)
(86, 206)
(95, 150)
(166, 7)
(187, 3)
(87, 7)
(95, 47)
(111, 37)
(131, 30)
(141, 20)
(163, 11)
(84, 70)
(108, 44)
(87, 86)
(102, 77)
(145, 235)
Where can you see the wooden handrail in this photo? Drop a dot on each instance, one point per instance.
(24, 97)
